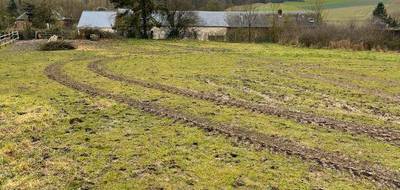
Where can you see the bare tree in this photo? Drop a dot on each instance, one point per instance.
(247, 18)
(250, 16)
(318, 10)
(70, 8)
(276, 13)
(243, 23)
(178, 17)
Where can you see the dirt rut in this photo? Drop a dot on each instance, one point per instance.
(384, 134)
(260, 141)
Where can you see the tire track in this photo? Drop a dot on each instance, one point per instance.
(374, 111)
(380, 133)
(260, 141)
(351, 86)
(292, 71)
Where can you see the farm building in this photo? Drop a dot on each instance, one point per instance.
(220, 25)
(211, 25)
(22, 22)
(62, 21)
(97, 20)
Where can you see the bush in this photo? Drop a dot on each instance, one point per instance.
(57, 45)
(85, 34)
(367, 37)
(317, 37)
(351, 36)
(242, 35)
(47, 33)
(27, 34)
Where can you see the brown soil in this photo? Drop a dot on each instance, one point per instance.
(350, 86)
(259, 140)
(384, 134)
(27, 45)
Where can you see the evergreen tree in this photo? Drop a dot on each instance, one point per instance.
(380, 12)
(3, 20)
(12, 8)
(143, 9)
(40, 14)
(176, 15)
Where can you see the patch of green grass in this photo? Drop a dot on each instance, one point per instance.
(54, 137)
(184, 71)
(335, 10)
(267, 74)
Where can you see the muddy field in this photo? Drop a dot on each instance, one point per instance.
(147, 114)
(391, 136)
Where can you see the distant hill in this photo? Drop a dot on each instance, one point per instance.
(336, 10)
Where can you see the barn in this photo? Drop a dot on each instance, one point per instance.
(210, 25)
(22, 22)
(97, 20)
(221, 25)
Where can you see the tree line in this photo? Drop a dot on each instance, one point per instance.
(73, 7)
(42, 11)
(69, 8)
(176, 15)
(11, 9)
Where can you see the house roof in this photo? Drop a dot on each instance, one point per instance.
(57, 15)
(97, 19)
(232, 18)
(215, 19)
(212, 19)
(23, 17)
(238, 18)
(106, 19)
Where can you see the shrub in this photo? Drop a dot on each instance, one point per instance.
(57, 45)
(85, 34)
(350, 36)
(242, 35)
(353, 37)
(347, 44)
(27, 34)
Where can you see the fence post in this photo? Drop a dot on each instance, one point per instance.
(9, 38)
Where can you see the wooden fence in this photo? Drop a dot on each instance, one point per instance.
(8, 38)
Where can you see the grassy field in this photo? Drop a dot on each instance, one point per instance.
(247, 116)
(335, 10)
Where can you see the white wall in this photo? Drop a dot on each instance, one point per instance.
(202, 32)
(160, 33)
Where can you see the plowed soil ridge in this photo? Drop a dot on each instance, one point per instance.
(380, 133)
(262, 141)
